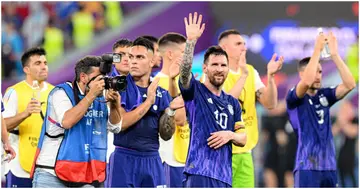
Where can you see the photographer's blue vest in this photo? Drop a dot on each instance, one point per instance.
(81, 157)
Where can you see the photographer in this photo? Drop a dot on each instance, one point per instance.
(73, 140)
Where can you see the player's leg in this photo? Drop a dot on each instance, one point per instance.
(16, 182)
(243, 171)
(152, 170)
(307, 179)
(173, 176)
(197, 181)
(121, 170)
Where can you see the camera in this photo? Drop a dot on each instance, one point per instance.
(117, 83)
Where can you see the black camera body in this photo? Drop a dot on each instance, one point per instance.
(117, 83)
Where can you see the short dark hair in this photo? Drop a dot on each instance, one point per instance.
(216, 51)
(150, 38)
(227, 33)
(122, 43)
(140, 41)
(171, 37)
(31, 52)
(85, 65)
(303, 62)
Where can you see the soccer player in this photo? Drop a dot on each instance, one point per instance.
(147, 112)
(174, 151)
(122, 47)
(24, 113)
(308, 106)
(212, 114)
(234, 45)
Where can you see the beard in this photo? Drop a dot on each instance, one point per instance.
(216, 82)
(315, 86)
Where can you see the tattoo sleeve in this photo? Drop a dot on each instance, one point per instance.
(166, 126)
(185, 68)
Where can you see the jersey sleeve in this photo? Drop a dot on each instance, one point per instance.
(188, 94)
(292, 100)
(330, 94)
(11, 103)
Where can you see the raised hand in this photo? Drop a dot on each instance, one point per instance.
(242, 64)
(274, 66)
(193, 26)
(320, 42)
(151, 91)
(175, 68)
(333, 44)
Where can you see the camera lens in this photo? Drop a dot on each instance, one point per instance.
(118, 83)
(107, 82)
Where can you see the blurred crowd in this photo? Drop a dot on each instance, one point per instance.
(57, 26)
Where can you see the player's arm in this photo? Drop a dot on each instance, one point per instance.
(130, 118)
(239, 85)
(180, 117)
(193, 32)
(311, 68)
(220, 138)
(174, 72)
(5, 140)
(167, 124)
(238, 139)
(348, 80)
(167, 121)
(268, 96)
(11, 116)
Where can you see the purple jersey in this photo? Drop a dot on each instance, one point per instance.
(310, 119)
(208, 113)
(2, 107)
(143, 136)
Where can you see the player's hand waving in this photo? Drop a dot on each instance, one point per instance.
(193, 26)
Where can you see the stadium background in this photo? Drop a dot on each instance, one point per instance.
(288, 29)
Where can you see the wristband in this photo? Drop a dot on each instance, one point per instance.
(170, 112)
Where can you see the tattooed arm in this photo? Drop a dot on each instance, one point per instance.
(167, 124)
(185, 68)
(193, 32)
